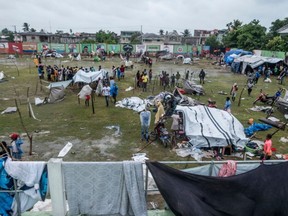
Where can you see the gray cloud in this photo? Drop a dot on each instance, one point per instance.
(115, 15)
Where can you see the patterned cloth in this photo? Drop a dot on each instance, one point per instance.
(105, 188)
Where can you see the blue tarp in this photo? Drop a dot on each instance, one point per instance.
(256, 127)
(6, 183)
(228, 59)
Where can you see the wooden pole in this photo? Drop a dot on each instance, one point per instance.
(92, 102)
(30, 137)
(240, 96)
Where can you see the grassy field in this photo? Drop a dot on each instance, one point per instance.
(92, 141)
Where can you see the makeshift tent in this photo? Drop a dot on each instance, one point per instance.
(259, 192)
(65, 84)
(241, 63)
(230, 55)
(88, 77)
(191, 87)
(209, 127)
(56, 94)
(86, 90)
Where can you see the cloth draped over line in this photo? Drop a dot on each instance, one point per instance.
(31, 177)
(259, 192)
(160, 112)
(114, 188)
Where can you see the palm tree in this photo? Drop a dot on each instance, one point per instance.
(26, 27)
(186, 33)
(161, 32)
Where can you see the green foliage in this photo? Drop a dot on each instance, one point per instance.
(26, 27)
(161, 32)
(88, 41)
(106, 37)
(136, 38)
(32, 30)
(8, 33)
(249, 36)
(276, 25)
(212, 42)
(186, 33)
(276, 44)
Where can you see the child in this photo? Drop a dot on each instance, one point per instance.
(267, 152)
(87, 99)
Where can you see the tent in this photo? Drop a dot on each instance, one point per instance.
(230, 55)
(240, 63)
(190, 87)
(212, 127)
(88, 77)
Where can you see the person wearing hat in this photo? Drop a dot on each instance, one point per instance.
(16, 143)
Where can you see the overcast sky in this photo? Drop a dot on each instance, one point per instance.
(152, 15)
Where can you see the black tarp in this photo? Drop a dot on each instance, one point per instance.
(259, 192)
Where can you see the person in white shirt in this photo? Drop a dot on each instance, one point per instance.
(106, 94)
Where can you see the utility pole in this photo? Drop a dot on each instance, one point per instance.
(14, 28)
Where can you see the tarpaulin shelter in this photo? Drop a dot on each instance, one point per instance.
(212, 127)
(88, 77)
(230, 55)
(241, 63)
(259, 192)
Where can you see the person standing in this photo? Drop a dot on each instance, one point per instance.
(172, 80)
(16, 143)
(267, 151)
(144, 82)
(106, 94)
(114, 92)
(178, 76)
(122, 70)
(187, 75)
(145, 118)
(227, 106)
(138, 79)
(150, 75)
(202, 75)
(233, 91)
(250, 85)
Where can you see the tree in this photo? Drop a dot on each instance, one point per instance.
(106, 37)
(9, 34)
(161, 32)
(186, 33)
(26, 27)
(59, 32)
(276, 25)
(251, 36)
(212, 42)
(136, 38)
(277, 44)
(32, 30)
(234, 25)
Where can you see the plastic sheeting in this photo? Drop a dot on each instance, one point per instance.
(88, 77)
(208, 127)
(135, 103)
(256, 127)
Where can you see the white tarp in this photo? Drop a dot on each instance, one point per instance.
(187, 61)
(208, 127)
(58, 84)
(86, 90)
(135, 103)
(255, 61)
(88, 77)
(1, 75)
(9, 110)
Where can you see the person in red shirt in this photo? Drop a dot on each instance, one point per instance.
(87, 99)
(267, 151)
